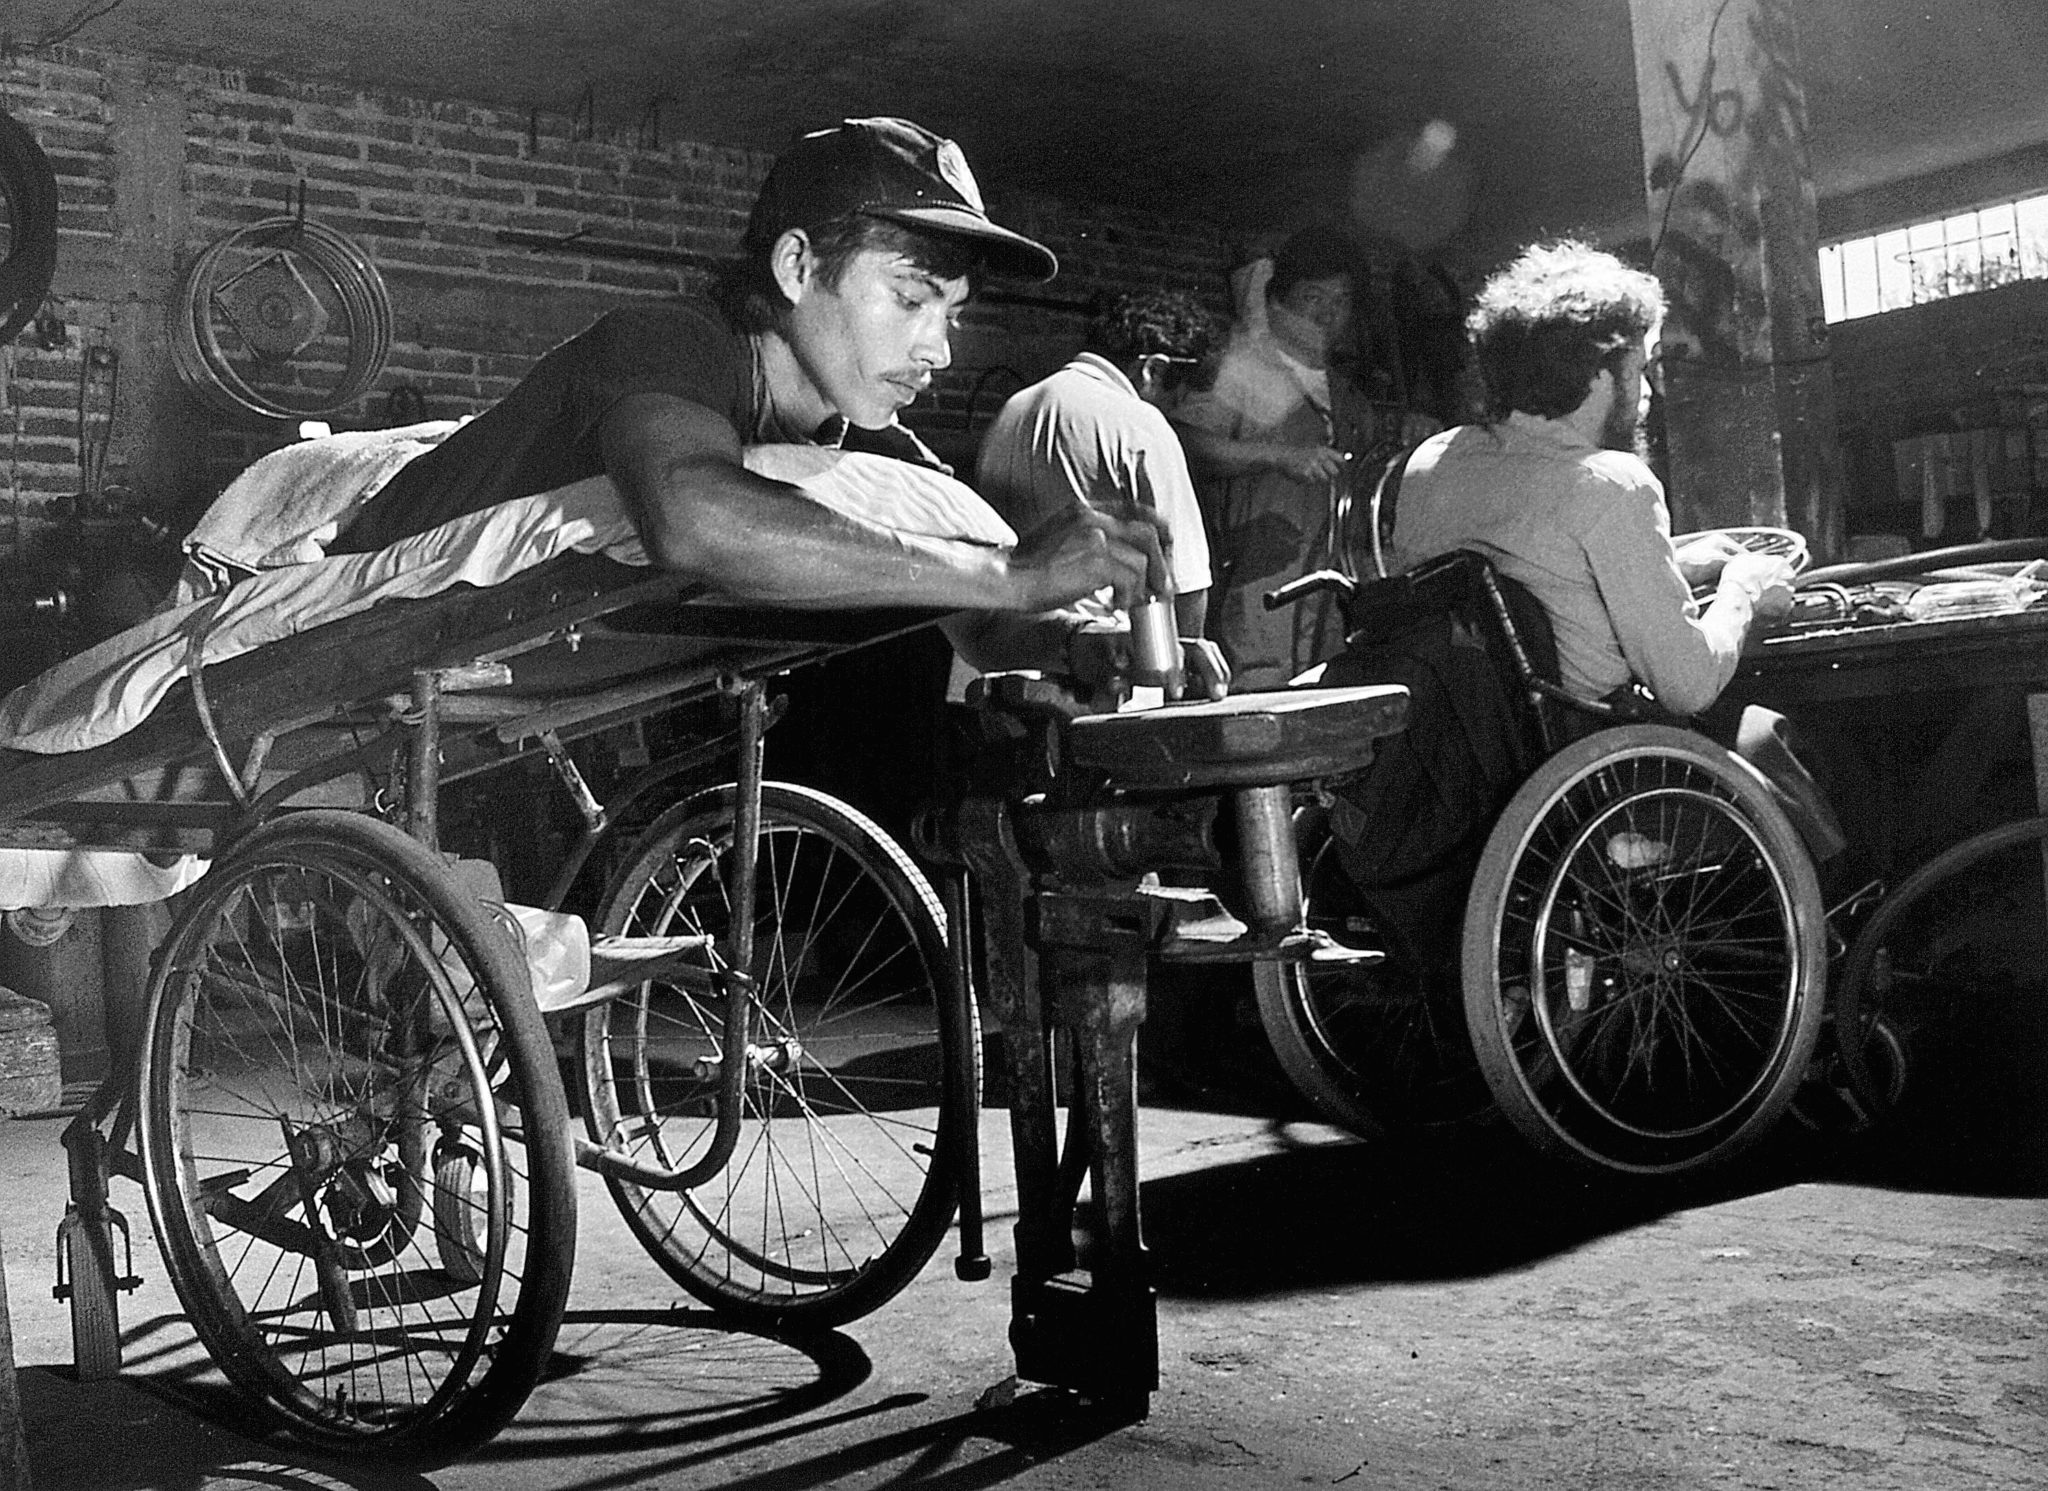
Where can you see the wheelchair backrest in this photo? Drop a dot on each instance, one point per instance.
(1467, 645)
(1499, 612)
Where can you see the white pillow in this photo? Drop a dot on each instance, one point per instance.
(884, 491)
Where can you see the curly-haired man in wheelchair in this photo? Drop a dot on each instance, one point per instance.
(1548, 487)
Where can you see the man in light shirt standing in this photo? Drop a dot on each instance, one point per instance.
(1092, 434)
(1269, 443)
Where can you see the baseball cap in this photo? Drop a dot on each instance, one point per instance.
(888, 168)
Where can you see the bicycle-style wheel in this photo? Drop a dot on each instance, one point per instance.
(1940, 982)
(1644, 956)
(330, 1020)
(861, 1082)
(1379, 1048)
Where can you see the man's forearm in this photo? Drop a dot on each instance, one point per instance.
(759, 540)
(700, 512)
(1727, 620)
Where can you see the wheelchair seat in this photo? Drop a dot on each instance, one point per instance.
(1475, 651)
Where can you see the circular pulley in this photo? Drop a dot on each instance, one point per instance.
(284, 318)
(28, 238)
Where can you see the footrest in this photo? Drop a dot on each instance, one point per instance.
(1306, 945)
(1247, 740)
(618, 964)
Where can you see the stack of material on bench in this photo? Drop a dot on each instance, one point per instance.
(30, 1081)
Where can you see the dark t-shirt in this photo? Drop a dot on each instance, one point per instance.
(544, 433)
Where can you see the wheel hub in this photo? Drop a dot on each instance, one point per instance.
(1649, 959)
(353, 1190)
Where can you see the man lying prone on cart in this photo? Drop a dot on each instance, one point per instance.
(337, 1049)
(701, 438)
(863, 247)
(697, 437)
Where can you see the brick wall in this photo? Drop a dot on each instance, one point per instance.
(155, 161)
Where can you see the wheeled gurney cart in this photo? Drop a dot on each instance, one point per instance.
(344, 1096)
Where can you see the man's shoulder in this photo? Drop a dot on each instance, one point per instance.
(1540, 447)
(1621, 468)
(688, 320)
(1238, 390)
(1483, 466)
(1075, 394)
(1248, 362)
(677, 347)
(1458, 437)
(1604, 492)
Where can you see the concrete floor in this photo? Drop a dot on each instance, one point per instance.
(1331, 1313)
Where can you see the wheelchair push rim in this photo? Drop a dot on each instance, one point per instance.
(1381, 1050)
(1643, 955)
(862, 1085)
(336, 1033)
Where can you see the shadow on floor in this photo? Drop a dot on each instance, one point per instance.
(1481, 1202)
(130, 1435)
(171, 1422)
(983, 1447)
(1983, 1137)
(1380, 1212)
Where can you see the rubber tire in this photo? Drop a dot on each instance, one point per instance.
(507, 1339)
(95, 1304)
(1367, 1084)
(455, 1239)
(681, 1231)
(29, 185)
(1860, 997)
(1537, 1092)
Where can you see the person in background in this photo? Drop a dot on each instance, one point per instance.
(1093, 434)
(864, 244)
(1268, 445)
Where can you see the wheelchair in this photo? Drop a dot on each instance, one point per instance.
(1621, 949)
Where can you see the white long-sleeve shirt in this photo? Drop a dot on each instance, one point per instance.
(1587, 531)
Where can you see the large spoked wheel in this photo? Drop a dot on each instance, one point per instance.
(1644, 955)
(331, 1018)
(861, 1083)
(1380, 1049)
(1942, 977)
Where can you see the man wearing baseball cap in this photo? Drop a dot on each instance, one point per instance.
(864, 244)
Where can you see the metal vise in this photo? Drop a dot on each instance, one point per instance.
(1069, 849)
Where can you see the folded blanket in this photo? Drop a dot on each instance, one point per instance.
(91, 877)
(288, 506)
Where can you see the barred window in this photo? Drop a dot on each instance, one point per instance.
(1977, 250)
